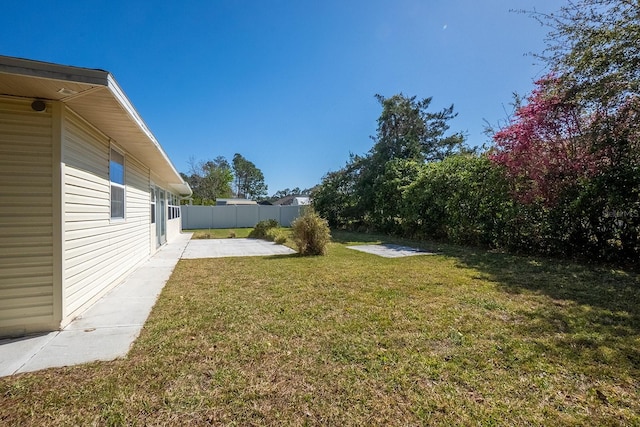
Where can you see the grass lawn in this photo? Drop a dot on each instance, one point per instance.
(465, 337)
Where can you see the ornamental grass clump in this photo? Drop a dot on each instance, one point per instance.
(311, 234)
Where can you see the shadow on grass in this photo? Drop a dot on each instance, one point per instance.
(283, 256)
(583, 313)
(609, 289)
(354, 238)
(605, 288)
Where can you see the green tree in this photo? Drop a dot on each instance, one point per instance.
(593, 45)
(368, 191)
(408, 135)
(210, 180)
(408, 130)
(463, 198)
(249, 180)
(296, 191)
(336, 198)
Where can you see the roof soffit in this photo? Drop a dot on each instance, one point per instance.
(95, 96)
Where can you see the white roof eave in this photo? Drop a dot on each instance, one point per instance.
(118, 94)
(98, 99)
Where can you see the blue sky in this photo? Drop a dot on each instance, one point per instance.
(289, 84)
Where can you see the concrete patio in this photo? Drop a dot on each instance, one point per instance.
(218, 248)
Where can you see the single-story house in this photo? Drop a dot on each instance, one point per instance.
(87, 192)
(293, 200)
(301, 201)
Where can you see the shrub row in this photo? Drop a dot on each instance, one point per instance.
(467, 199)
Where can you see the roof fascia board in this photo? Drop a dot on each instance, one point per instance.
(51, 71)
(124, 102)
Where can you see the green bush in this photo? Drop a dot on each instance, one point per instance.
(311, 233)
(270, 230)
(277, 235)
(463, 199)
(261, 230)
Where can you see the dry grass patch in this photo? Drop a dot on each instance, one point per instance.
(463, 337)
(220, 233)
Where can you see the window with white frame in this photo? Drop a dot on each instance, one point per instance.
(116, 176)
(152, 193)
(174, 207)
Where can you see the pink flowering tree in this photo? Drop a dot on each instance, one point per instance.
(547, 146)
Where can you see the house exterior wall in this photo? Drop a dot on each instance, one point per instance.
(27, 226)
(153, 239)
(170, 204)
(98, 251)
(174, 228)
(59, 248)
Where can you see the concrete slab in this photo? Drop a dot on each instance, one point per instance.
(15, 353)
(390, 251)
(73, 347)
(106, 330)
(220, 248)
(114, 312)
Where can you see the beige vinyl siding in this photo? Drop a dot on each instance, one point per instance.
(26, 212)
(98, 251)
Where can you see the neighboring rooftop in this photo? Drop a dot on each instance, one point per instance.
(293, 200)
(228, 202)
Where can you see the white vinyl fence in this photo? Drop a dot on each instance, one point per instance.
(240, 216)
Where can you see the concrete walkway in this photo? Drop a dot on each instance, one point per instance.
(106, 330)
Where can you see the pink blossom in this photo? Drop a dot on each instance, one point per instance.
(547, 146)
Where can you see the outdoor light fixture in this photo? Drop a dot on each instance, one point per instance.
(38, 105)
